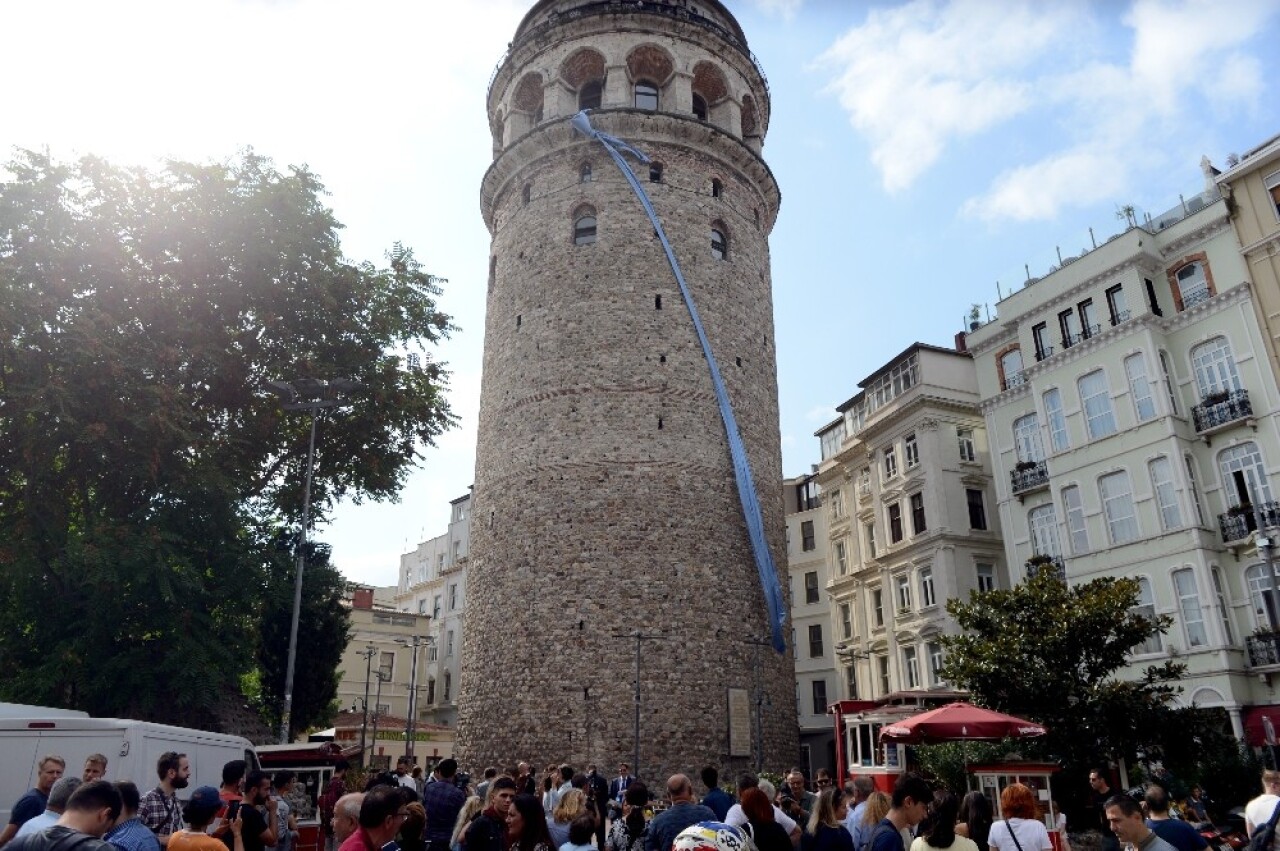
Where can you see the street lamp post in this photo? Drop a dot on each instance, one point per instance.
(639, 637)
(756, 643)
(369, 650)
(304, 394)
(383, 676)
(415, 642)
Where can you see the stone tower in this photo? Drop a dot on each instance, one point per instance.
(605, 499)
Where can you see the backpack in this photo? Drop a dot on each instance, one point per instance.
(1262, 839)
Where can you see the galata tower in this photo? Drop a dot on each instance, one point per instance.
(605, 497)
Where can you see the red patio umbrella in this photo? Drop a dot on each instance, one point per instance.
(958, 722)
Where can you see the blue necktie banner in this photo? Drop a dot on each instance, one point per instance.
(741, 468)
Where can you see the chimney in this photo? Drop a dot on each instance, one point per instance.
(960, 342)
(362, 598)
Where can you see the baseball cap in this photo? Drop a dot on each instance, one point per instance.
(206, 797)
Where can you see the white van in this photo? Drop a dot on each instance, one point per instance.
(131, 748)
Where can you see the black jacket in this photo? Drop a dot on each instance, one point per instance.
(59, 838)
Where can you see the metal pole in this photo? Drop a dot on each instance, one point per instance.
(369, 650)
(637, 730)
(756, 643)
(297, 591)
(1264, 544)
(377, 702)
(413, 695)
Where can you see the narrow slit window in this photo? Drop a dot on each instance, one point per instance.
(659, 423)
(584, 230)
(716, 187)
(719, 245)
(584, 173)
(525, 193)
(657, 302)
(655, 172)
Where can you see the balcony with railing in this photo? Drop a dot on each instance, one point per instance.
(1040, 561)
(1119, 316)
(1016, 379)
(1081, 335)
(1196, 297)
(1239, 521)
(1044, 352)
(1221, 410)
(1029, 476)
(1263, 649)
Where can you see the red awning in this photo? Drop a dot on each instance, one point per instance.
(959, 722)
(1256, 719)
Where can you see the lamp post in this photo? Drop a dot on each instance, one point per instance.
(415, 642)
(368, 652)
(639, 637)
(756, 643)
(304, 394)
(383, 676)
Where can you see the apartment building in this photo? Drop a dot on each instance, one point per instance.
(1131, 410)
(433, 582)
(807, 564)
(1252, 186)
(907, 482)
(379, 657)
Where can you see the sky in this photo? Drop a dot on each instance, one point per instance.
(929, 152)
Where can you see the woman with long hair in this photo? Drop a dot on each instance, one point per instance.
(571, 805)
(1021, 828)
(766, 833)
(975, 818)
(878, 804)
(629, 832)
(825, 831)
(527, 825)
(938, 830)
(470, 809)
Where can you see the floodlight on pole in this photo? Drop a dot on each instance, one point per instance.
(304, 394)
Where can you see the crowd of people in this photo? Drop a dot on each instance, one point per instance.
(567, 810)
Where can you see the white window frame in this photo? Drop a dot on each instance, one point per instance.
(968, 449)
(1135, 369)
(1190, 465)
(1027, 444)
(1215, 575)
(1244, 457)
(1077, 528)
(1161, 471)
(936, 659)
(928, 594)
(1188, 594)
(1195, 283)
(836, 503)
(1147, 607)
(842, 558)
(1059, 440)
(911, 666)
(877, 607)
(889, 466)
(1042, 521)
(986, 578)
(1099, 415)
(911, 451)
(902, 593)
(1166, 371)
(846, 620)
(1116, 491)
(1214, 366)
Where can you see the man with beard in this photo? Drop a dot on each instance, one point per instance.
(257, 812)
(160, 809)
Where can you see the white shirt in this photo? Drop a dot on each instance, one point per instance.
(49, 818)
(1258, 811)
(407, 781)
(1031, 835)
(737, 818)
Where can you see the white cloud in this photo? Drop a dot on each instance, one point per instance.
(821, 414)
(916, 77)
(785, 9)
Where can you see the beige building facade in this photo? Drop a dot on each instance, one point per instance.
(811, 633)
(433, 583)
(1132, 411)
(912, 522)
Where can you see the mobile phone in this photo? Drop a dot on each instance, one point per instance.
(233, 809)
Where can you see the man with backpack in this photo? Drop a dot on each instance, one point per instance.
(1262, 810)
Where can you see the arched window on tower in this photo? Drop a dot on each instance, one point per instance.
(589, 95)
(699, 107)
(719, 244)
(646, 95)
(584, 228)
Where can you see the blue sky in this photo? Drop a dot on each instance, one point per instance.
(926, 150)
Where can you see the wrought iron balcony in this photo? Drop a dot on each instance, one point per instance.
(1237, 523)
(1195, 298)
(1039, 561)
(1264, 649)
(1221, 409)
(1044, 352)
(1119, 316)
(1017, 379)
(1029, 476)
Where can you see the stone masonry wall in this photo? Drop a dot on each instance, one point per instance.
(605, 499)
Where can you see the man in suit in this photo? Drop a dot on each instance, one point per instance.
(618, 788)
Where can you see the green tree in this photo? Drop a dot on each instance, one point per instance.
(324, 627)
(141, 462)
(1049, 651)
